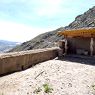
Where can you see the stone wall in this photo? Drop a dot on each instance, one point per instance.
(16, 61)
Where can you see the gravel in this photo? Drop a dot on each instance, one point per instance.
(64, 77)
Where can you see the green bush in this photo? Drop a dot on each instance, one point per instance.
(47, 88)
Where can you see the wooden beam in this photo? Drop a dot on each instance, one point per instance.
(79, 32)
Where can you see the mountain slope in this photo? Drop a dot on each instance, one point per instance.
(85, 20)
(49, 39)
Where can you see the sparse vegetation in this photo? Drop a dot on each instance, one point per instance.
(36, 91)
(47, 88)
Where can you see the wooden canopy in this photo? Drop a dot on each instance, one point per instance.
(84, 32)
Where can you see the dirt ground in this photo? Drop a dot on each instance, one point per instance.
(63, 77)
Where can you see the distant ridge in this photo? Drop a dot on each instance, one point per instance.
(50, 39)
(7, 45)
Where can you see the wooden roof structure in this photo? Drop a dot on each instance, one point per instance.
(83, 32)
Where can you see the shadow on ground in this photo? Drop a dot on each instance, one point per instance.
(79, 59)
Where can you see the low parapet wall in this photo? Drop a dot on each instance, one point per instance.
(16, 61)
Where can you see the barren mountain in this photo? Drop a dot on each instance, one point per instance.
(50, 39)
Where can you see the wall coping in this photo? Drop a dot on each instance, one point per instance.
(13, 54)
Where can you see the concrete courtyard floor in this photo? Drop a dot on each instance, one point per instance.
(64, 77)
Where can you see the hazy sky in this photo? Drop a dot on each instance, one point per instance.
(21, 20)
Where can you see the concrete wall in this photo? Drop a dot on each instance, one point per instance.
(79, 43)
(16, 61)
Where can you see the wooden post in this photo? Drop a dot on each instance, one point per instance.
(61, 51)
(91, 47)
(66, 46)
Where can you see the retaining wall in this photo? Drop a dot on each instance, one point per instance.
(16, 61)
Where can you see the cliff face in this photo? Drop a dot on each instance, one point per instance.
(51, 38)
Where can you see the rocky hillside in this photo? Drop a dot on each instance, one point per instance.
(50, 39)
(85, 20)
